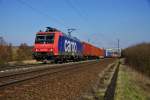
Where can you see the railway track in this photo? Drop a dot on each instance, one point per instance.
(19, 66)
(8, 67)
(13, 76)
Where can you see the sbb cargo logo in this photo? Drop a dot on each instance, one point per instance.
(70, 46)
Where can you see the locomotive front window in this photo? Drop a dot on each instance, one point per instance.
(45, 38)
(40, 39)
(50, 38)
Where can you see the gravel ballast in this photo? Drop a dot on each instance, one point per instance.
(67, 85)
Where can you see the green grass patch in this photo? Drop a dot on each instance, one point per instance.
(128, 87)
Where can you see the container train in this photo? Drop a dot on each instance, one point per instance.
(54, 45)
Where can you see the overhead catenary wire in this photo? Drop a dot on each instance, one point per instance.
(58, 21)
(84, 12)
(42, 13)
(75, 9)
(80, 12)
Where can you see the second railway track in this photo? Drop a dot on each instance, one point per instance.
(15, 76)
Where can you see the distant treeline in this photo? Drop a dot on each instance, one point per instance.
(10, 53)
(138, 57)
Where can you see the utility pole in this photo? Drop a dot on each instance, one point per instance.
(88, 40)
(71, 30)
(118, 45)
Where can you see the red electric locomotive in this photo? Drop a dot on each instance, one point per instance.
(52, 44)
(46, 44)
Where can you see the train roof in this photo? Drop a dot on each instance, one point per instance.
(50, 29)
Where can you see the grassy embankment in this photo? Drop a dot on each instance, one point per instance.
(131, 85)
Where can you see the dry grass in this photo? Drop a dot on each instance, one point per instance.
(132, 85)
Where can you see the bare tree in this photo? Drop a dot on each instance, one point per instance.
(24, 52)
(5, 51)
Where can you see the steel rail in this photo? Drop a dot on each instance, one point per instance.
(23, 76)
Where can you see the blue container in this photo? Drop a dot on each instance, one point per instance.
(69, 46)
(108, 53)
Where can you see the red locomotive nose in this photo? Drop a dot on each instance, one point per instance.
(43, 48)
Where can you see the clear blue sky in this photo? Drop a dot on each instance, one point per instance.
(100, 21)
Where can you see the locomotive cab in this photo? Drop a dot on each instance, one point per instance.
(45, 44)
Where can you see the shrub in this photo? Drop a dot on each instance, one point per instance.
(138, 56)
(24, 52)
(12, 53)
(5, 52)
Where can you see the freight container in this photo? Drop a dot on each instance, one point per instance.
(113, 52)
(69, 46)
(90, 51)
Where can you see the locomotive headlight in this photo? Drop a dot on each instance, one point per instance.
(51, 49)
(37, 49)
